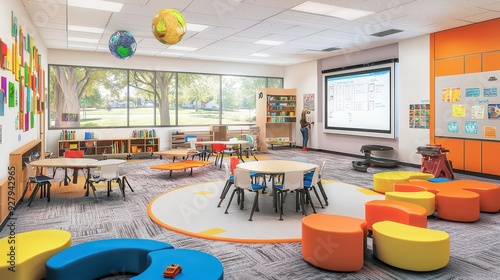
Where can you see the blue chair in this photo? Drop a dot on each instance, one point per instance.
(308, 176)
(310, 185)
(229, 183)
(42, 183)
(242, 182)
(292, 181)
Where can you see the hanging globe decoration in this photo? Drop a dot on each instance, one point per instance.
(169, 26)
(122, 44)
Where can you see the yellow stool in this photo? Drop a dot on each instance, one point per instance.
(409, 247)
(27, 253)
(384, 181)
(424, 198)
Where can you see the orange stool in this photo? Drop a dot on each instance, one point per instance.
(396, 211)
(334, 242)
(457, 205)
(489, 194)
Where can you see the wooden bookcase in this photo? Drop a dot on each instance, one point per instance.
(177, 139)
(4, 194)
(17, 167)
(276, 114)
(105, 147)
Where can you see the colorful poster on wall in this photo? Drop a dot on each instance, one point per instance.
(453, 127)
(4, 88)
(12, 94)
(490, 92)
(419, 115)
(2, 104)
(450, 94)
(458, 110)
(493, 111)
(477, 112)
(309, 101)
(0, 134)
(490, 132)
(471, 127)
(472, 92)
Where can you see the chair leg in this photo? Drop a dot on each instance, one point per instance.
(47, 190)
(124, 180)
(91, 185)
(317, 196)
(25, 190)
(33, 194)
(323, 193)
(255, 204)
(231, 199)
(224, 192)
(308, 196)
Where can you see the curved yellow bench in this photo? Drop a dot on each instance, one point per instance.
(409, 247)
(26, 253)
(384, 181)
(423, 198)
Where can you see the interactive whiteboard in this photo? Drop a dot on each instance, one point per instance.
(360, 101)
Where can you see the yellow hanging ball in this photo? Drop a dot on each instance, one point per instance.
(169, 26)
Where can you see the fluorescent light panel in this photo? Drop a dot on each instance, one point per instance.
(260, 54)
(196, 27)
(96, 4)
(268, 42)
(189, 49)
(85, 29)
(83, 40)
(331, 10)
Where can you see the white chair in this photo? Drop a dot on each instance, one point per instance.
(250, 147)
(107, 171)
(229, 183)
(242, 182)
(42, 183)
(308, 176)
(292, 181)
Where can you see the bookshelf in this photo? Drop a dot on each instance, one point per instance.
(104, 147)
(276, 115)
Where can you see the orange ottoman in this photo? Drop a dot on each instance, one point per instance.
(455, 204)
(334, 242)
(489, 194)
(396, 211)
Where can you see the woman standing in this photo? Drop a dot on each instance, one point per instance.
(304, 129)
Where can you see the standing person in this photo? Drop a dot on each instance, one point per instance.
(304, 129)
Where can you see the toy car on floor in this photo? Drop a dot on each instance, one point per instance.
(172, 270)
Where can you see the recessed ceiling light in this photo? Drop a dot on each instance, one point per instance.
(261, 54)
(331, 10)
(85, 29)
(196, 27)
(81, 46)
(96, 4)
(189, 49)
(268, 42)
(83, 40)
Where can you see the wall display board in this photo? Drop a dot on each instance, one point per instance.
(360, 101)
(468, 106)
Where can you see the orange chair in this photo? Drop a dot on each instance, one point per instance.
(396, 211)
(220, 150)
(334, 242)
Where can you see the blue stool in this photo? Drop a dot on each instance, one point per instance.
(195, 265)
(96, 259)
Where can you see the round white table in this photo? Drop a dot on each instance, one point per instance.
(276, 166)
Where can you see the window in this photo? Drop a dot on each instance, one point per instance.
(81, 97)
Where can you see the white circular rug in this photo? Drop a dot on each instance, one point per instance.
(193, 210)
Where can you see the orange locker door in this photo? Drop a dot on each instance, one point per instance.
(490, 157)
(473, 155)
(456, 151)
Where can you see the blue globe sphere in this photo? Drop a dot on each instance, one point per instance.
(122, 44)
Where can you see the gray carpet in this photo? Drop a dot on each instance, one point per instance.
(475, 247)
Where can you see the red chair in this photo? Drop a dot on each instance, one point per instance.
(220, 150)
(72, 154)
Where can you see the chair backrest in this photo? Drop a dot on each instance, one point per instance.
(109, 171)
(234, 161)
(321, 170)
(315, 176)
(73, 154)
(242, 179)
(227, 169)
(30, 170)
(192, 145)
(293, 180)
(218, 147)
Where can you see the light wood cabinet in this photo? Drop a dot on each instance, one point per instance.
(276, 115)
(17, 167)
(4, 197)
(107, 147)
(178, 139)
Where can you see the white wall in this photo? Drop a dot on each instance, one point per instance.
(12, 138)
(150, 63)
(413, 88)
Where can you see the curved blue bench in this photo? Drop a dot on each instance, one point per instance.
(96, 259)
(195, 265)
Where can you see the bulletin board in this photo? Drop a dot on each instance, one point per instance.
(468, 106)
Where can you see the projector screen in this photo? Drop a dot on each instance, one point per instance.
(360, 101)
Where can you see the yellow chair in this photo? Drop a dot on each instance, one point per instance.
(29, 251)
(409, 247)
(424, 198)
